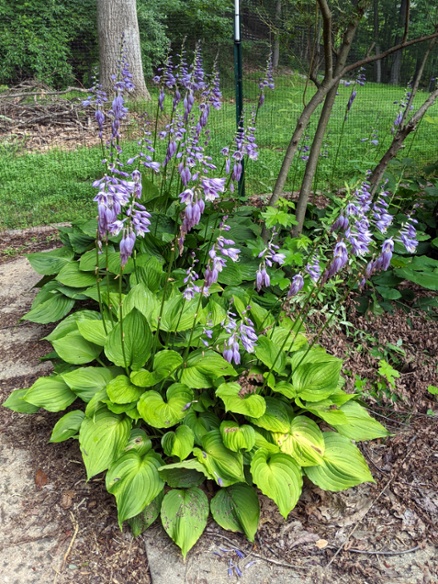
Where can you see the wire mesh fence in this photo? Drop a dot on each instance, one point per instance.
(35, 120)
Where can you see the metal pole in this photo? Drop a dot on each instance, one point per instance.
(239, 83)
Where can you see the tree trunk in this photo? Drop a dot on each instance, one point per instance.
(276, 51)
(117, 20)
(397, 63)
(378, 64)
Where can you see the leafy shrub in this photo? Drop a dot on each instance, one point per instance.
(180, 354)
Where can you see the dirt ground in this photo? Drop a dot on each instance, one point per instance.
(376, 533)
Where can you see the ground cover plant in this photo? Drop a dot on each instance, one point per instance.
(180, 352)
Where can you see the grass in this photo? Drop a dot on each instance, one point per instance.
(55, 186)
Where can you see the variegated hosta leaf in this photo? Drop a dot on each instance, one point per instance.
(279, 477)
(238, 402)
(225, 466)
(360, 425)
(179, 443)
(160, 414)
(343, 465)
(237, 437)
(184, 515)
(304, 441)
(201, 424)
(102, 439)
(277, 417)
(237, 508)
(134, 481)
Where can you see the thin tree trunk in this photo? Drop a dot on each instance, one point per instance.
(117, 20)
(276, 51)
(397, 63)
(378, 63)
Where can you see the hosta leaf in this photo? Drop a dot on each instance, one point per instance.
(144, 520)
(138, 441)
(237, 508)
(102, 439)
(184, 515)
(185, 474)
(137, 341)
(67, 426)
(179, 314)
(74, 349)
(304, 441)
(94, 331)
(277, 417)
(279, 477)
(145, 301)
(16, 403)
(292, 340)
(165, 363)
(237, 437)
(85, 382)
(50, 393)
(70, 324)
(270, 354)
(238, 402)
(48, 263)
(285, 388)
(225, 466)
(343, 465)
(134, 481)
(360, 425)
(160, 414)
(121, 391)
(265, 441)
(201, 424)
(326, 409)
(204, 367)
(317, 381)
(179, 443)
(71, 275)
(51, 310)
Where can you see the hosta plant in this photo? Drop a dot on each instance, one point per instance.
(179, 356)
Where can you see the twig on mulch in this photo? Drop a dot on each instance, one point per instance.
(67, 553)
(383, 552)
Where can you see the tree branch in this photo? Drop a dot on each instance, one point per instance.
(327, 35)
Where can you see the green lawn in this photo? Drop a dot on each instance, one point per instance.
(55, 186)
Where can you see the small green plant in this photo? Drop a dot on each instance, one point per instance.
(180, 351)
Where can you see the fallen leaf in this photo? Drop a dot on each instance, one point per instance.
(41, 479)
(321, 544)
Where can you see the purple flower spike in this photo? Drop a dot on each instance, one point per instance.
(340, 259)
(296, 285)
(313, 269)
(127, 246)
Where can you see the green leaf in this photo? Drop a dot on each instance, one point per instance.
(74, 349)
(139, 441)
(360, 425)
(304, 441)
(102, 439)
(179, 443)
(71, 275)
(237, 437)
(17, 403)
(145, 301)
(185, 474)
(50, 393)
(343, 465)
(237, 508)
(159, 414)
(277, 417)
(184, 516)
(70, 323)
(51, 310)
(426, 280)
(433, 389)
(327, 410)
(67, 426)
(51, 262)
(85, 382)
(137, 343)
(279, 477)
(292, 341)
(225, 466)
(270, 354)
(316, 381)
(134, 481)
(201, 424)
(94, 331)
(238, 402)
(121, 391)
(179, 314)
(204, 367)
(285, 388)
(144, 520)
(165, 363)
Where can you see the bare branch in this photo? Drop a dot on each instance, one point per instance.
(327, 35)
